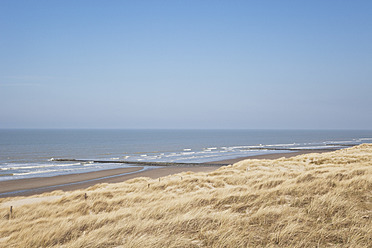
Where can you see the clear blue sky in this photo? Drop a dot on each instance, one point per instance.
(186, 64)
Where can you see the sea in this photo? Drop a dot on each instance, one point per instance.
(27, 153)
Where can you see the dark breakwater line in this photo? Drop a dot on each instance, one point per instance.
(194, 164)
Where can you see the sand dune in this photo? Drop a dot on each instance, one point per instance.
(311, 200)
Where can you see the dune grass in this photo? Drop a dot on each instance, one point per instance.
(312, 200)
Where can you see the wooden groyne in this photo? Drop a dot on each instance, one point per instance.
(135, 162)
(198, 164)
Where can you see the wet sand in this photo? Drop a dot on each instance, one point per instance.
(32, 186)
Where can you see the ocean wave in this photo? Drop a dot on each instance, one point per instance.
(187, 153)
(242, 147)
(275, 145)
(25, 166)
(312, 147)
(338, 142)
(34, 172)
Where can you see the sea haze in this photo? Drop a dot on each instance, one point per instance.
(30, 153)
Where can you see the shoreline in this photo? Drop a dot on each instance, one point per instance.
(39, 185)
(273, 156)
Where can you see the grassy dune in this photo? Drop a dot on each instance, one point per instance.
(312, 200)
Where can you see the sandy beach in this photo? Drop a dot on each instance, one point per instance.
(32, 186)
(27, 187)
(311, 200)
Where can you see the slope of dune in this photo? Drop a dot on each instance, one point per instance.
(312, 200)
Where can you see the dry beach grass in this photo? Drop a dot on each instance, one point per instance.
(311, 200)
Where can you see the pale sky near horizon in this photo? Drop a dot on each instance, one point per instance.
(186, 64)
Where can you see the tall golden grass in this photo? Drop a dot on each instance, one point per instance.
(312, 200)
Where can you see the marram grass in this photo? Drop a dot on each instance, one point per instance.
(312, 200)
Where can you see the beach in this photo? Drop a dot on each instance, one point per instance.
(38, 185)
(314, 199)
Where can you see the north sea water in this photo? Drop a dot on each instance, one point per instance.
(26, 153)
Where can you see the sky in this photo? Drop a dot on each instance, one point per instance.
(186, 64)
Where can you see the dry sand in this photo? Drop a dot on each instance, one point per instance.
(312, 200)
